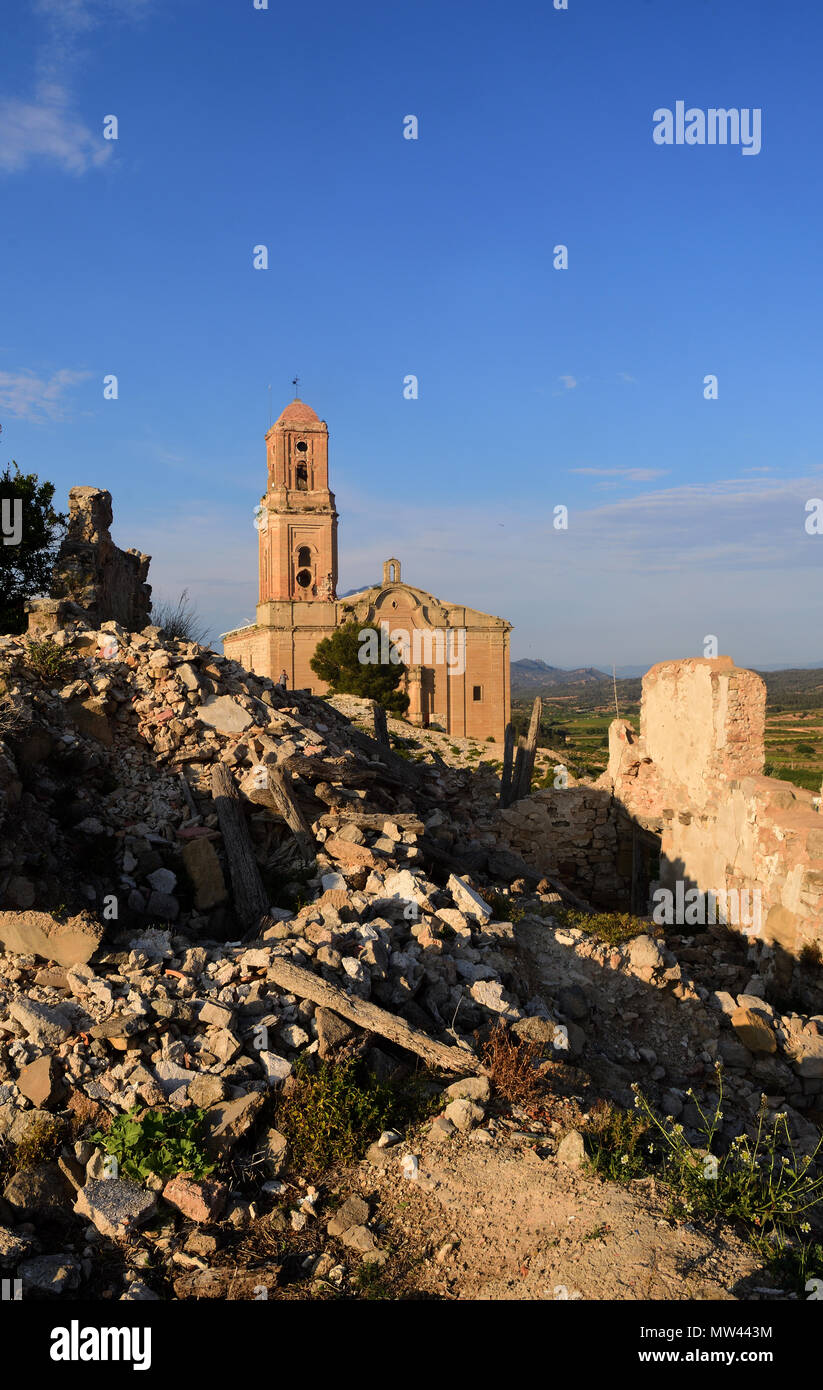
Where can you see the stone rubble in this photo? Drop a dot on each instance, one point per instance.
(127, 981)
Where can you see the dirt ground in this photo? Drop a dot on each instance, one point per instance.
(503, 1223)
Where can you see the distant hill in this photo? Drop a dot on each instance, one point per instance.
(534, 677)
(795, 688)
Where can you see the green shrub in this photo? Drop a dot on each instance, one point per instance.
(163, 1142)
(48, 662)
(332, 1116)
(612, 927)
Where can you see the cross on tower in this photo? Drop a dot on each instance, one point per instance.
(294, 381)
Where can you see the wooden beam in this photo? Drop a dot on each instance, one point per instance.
(506, 774)
(266, 786)
(293, 979)
(249, 896)
(381, 728)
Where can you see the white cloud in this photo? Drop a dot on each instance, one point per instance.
(27, 396)
(568, 381)
(47, 124)
(45, 128)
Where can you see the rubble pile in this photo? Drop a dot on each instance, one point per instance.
(155, 788)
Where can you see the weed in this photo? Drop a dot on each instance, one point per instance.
(503, 908)
(332, 1116)
(48, 662)
(759, 1184)
(617, 1142)
(615, 928)
(40, 1144)
(163, 1142)
(795, 1266)
(369, 1281)
(511, 1064)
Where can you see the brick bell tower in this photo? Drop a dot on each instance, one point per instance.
(297, 518)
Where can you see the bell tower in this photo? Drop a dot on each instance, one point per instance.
(297, 518)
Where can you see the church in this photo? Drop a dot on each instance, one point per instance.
(457, 658)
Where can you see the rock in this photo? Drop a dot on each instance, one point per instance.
(90, 718)
(722, 1001)
(72, 942)
(115, 1206)
(224, 714)
(470, 1088)
(468, 899)
(573, 1002)
(201, 1201)
(753, 1031)
(492, 995)
(162, 880)
(44, 1025)
(359, 1238)
(217, 1015)
(353, 1212)
(20, 891)
(276, 1149)
(206, 1090)
(645, 954)
(350, 854)
(203, 868)
(672, 1104)
(13, 1247)
(229, 1121)
(536, 1030)
(38, 1191)
(164, 906)
(572, 1150)
(170, 1077)
(464, 1114)
(275, 1068)
(50, 1273)
(733, 1053)
(36, 1081)
(807, 1056)
(138, 1292)
(332, 1031)
(440, 1129)
(26, 1123)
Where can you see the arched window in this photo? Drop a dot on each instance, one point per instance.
(303, 556)
(302, 477)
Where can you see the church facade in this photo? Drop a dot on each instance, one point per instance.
(457, 657)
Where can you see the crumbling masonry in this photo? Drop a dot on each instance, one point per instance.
(685, 800)
(92, 576)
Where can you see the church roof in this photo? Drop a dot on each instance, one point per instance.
(298, 413)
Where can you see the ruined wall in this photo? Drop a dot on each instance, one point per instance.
(93, 576)
(577, 834)
(695, 769)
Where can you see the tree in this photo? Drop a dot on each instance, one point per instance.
(337, 661)
(30, 534)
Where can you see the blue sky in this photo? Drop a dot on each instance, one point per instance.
(537, 387)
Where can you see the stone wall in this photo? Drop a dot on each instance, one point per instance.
(577, 834)
(92, 576)
(695, 769)
(687, 788)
